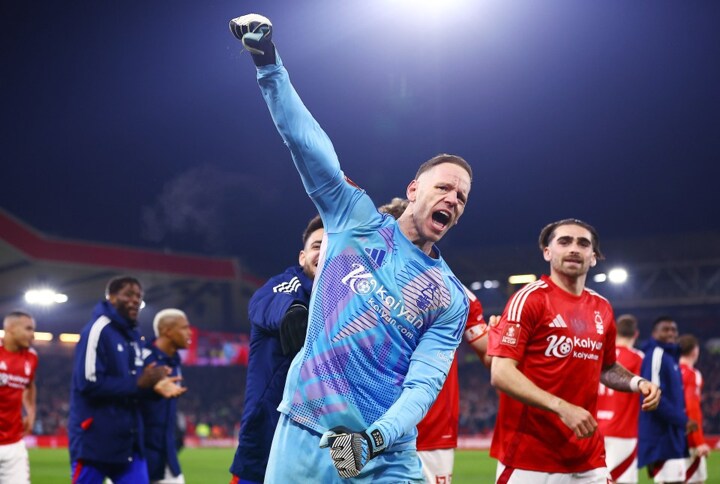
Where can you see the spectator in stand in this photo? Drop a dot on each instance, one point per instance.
(18, 362)
(172, 333)
(662, 444)
(693, 384)
(618, 412)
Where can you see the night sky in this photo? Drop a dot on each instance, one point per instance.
(140, 122)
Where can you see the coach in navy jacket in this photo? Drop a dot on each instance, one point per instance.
(104, 426)
(277, 333)
(661, 434)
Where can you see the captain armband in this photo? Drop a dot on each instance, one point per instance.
(474, 330)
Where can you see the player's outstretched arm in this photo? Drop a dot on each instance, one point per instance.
(505, 376)
(312, 151)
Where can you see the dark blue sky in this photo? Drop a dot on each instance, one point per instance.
(141, 122)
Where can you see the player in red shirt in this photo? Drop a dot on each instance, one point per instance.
(437, 432)
(553, 346)
(617, 412)
(692, 384)
(18, 362)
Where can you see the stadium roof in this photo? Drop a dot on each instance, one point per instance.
(212, 290)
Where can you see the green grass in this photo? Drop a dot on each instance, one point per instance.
(209, 466)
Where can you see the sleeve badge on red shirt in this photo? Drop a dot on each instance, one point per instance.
(510, 335)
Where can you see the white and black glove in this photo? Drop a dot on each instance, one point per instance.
(293, 328)
(255, 33)
(351, 451)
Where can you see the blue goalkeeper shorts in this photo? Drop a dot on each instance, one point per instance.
(296, 456)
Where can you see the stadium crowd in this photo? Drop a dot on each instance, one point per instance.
(215, 396)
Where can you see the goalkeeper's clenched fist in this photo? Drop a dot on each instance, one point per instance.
(350, 451)
(255, 33)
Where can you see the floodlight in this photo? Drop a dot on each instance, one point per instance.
(522, 278)
(41, 336)
(617, 276)
(600, 277)
(44, 297)
(69, 337)
(475, 286)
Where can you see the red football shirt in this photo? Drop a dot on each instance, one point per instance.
(618, 412)
(561, 342)
(439, 428)
(17, 371)
(692, 384)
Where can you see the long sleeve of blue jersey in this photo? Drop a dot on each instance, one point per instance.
(92, 378)
(312, 152)
(428, 369)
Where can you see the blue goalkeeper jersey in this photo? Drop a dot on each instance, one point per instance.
(385, 318)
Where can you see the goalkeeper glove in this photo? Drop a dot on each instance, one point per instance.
(255, 33)
(351, 451)
(293, 328)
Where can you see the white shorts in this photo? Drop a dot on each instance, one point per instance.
(506, 475)
(437, 465)
(671, 470)
(621, 459)
(169, 478)
(14, 463)
(697, 466)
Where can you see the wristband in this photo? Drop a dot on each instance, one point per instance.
(635, 383)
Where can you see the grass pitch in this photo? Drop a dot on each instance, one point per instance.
(210, 466)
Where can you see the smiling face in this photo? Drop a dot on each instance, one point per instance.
(665, 331)
(437, 198)
(570, 251)
(310, 255)
(127, 301)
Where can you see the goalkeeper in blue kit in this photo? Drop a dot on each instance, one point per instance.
(386, 313)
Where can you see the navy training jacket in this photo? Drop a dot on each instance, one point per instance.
(160, 418)
(661, 434)
(267, 370)
(104, 423)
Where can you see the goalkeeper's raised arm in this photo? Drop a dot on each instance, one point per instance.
(311, 149)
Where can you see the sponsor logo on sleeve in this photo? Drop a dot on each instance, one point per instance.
(510, 335)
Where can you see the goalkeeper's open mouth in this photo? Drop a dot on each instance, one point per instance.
(441, 219)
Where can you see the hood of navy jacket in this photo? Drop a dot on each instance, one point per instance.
(104, 308)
